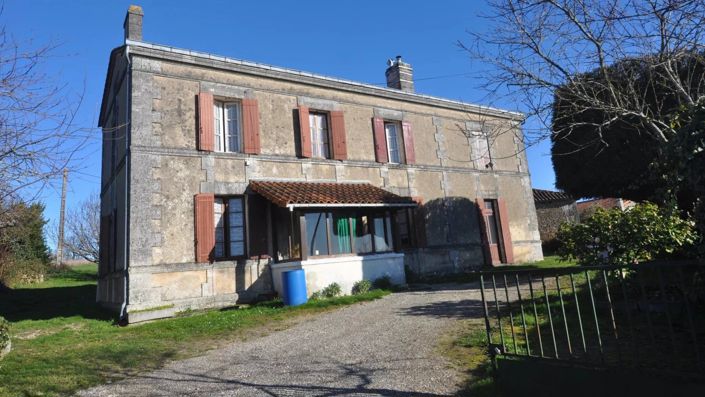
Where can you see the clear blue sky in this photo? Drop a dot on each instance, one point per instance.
(346, 39)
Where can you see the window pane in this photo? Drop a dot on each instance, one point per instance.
(237, 248)
(236, 234)
(235, 205)
(392, 144)
(402, 219)
(341, 235)
(319, 135)
(219, 222)
(362, 238)
(390, 239)
(232, 112)
(282, 230)
(493, 232)
(316, 233)
(381, 234)
(218, 117)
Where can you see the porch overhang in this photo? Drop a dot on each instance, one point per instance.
(293, 195)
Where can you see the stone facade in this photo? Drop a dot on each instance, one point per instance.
(152, 169)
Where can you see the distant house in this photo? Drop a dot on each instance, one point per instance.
(588, 207)
(552, 209)
(220, 174)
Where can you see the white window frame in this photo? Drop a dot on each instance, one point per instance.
(395, 143)
(224, 125)
(320, 135)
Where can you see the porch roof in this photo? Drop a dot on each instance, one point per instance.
(318, 194)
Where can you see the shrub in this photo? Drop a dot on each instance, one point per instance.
(625, 237)
(331, 291)
(4, 333)
(384, 282)
(361, 287)
(316, 296)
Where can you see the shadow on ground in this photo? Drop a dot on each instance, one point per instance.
(48, 303)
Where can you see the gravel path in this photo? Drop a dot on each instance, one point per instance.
(381, 348)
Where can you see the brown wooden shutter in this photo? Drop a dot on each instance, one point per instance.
(205, 228)
(304, 132)
(337, 124)
(250, 126)
(380, 140)
(483, 231)
(408, 143)
(506, 235)
(206, 122)
(420, 223)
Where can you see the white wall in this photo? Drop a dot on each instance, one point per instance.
(344, 270)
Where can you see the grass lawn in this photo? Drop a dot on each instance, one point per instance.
(62, 341)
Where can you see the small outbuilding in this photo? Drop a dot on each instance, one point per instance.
(552, 209)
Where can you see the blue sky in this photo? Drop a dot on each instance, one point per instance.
(346, 39)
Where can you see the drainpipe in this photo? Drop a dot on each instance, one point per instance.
(128, 126)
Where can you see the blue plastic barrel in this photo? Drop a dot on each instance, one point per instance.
(294, 287)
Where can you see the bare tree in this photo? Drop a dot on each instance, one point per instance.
(37, 134)
(83, 229)
(542, 51)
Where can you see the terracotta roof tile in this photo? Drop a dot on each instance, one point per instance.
(286, 193)
(545, 196)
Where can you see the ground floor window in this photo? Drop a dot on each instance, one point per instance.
(229, 227)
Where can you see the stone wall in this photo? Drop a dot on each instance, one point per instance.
(550, 217)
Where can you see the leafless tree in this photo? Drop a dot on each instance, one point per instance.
(83, 229)
(38, 138)
(540, 51)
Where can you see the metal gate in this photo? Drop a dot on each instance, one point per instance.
(648, 316)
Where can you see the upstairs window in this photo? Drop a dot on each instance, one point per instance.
(395, 142)
(320, 146)
(228, 126)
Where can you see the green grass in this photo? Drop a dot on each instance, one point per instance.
(63, 342)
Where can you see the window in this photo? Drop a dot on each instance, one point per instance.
(347, 232)
(228, 126)
(395, 142)
(286, 230)
(320, 146)
(229, 227)
(492, 232)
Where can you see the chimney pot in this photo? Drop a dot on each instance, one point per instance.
(133, 23)
(400, 75)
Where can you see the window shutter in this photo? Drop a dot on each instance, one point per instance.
(483, 231)
(337, 123)
(304, 132)
(206, 122)
(380, 140)
(205, 228)
(250, 126)
(506, 235)
(408, 143)
(420, 222)
(258, 226)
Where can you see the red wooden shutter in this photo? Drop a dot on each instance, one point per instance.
(304, 132)
(408, 143)
(205, 228)
(506, 235)
(250, 126)
(337, 124)
(206, 122)
(380, 140)
(483, 231)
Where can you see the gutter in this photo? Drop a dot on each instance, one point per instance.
(383, 205)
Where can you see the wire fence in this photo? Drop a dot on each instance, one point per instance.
(641, 316)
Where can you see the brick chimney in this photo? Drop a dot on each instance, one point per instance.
(133, 23)
(400, 75)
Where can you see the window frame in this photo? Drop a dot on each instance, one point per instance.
(399, 140)
(326, 115)
(222, 122)
(226, 227)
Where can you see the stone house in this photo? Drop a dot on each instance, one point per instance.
(219, 174)
(552, 209)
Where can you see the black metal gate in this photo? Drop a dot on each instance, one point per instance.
(648, 316)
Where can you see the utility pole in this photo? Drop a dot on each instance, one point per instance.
(60, 242)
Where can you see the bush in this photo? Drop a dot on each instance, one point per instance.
(384, 282)
(616, 237)
(361, 287)
(4, 333)
(331, 291)
(316, 296)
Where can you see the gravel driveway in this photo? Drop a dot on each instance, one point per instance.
(381, 348)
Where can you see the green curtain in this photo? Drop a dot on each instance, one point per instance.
(343, 232)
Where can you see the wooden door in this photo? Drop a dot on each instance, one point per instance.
(493, 235)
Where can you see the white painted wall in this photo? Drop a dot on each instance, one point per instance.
(344, 270)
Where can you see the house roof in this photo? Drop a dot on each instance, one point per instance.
(547, 196)
(311, 194)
